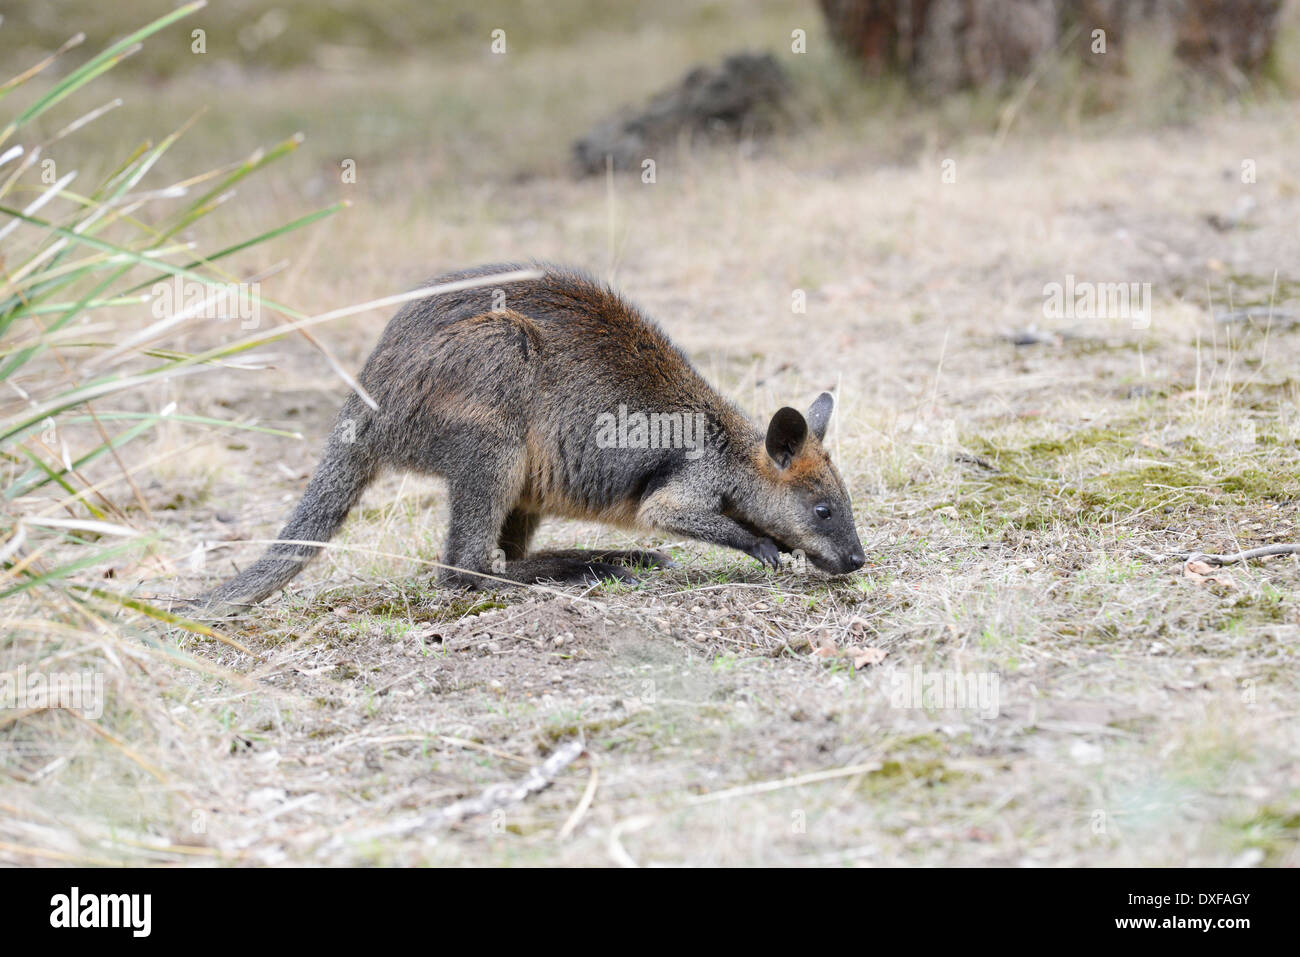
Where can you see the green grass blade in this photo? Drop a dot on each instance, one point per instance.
(76, 565)
(96, 66)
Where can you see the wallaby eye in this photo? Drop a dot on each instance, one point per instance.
(822, 511)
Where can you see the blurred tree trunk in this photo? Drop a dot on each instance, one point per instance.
(948, 44)
(1231, 37)
(880, 34)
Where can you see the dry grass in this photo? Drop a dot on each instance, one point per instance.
(1144, 717)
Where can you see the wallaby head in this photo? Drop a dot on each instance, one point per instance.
(795, 494)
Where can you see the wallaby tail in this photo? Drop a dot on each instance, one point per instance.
(346, 469)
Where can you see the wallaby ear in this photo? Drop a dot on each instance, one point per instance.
(820, 414)
(785, 435)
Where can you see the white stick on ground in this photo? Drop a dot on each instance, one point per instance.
(492, 798)
(1230, 558)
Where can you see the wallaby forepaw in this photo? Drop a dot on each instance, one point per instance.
(765, 550)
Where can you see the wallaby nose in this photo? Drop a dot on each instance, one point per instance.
(854, 561)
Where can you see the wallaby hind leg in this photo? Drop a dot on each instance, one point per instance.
(480, 503)
(480, 522)
(571, 566)
(517, 532)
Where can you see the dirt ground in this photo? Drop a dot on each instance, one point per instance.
(1011, 472)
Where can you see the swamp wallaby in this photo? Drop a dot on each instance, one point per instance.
(555, 396)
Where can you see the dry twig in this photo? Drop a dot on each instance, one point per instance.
(1230, 558)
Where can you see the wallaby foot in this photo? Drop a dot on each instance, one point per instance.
(471, 581)
(633, 558)
(574, 568)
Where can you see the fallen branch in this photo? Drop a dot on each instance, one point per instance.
(492, 798)
(1230, 558)
(503, 795)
